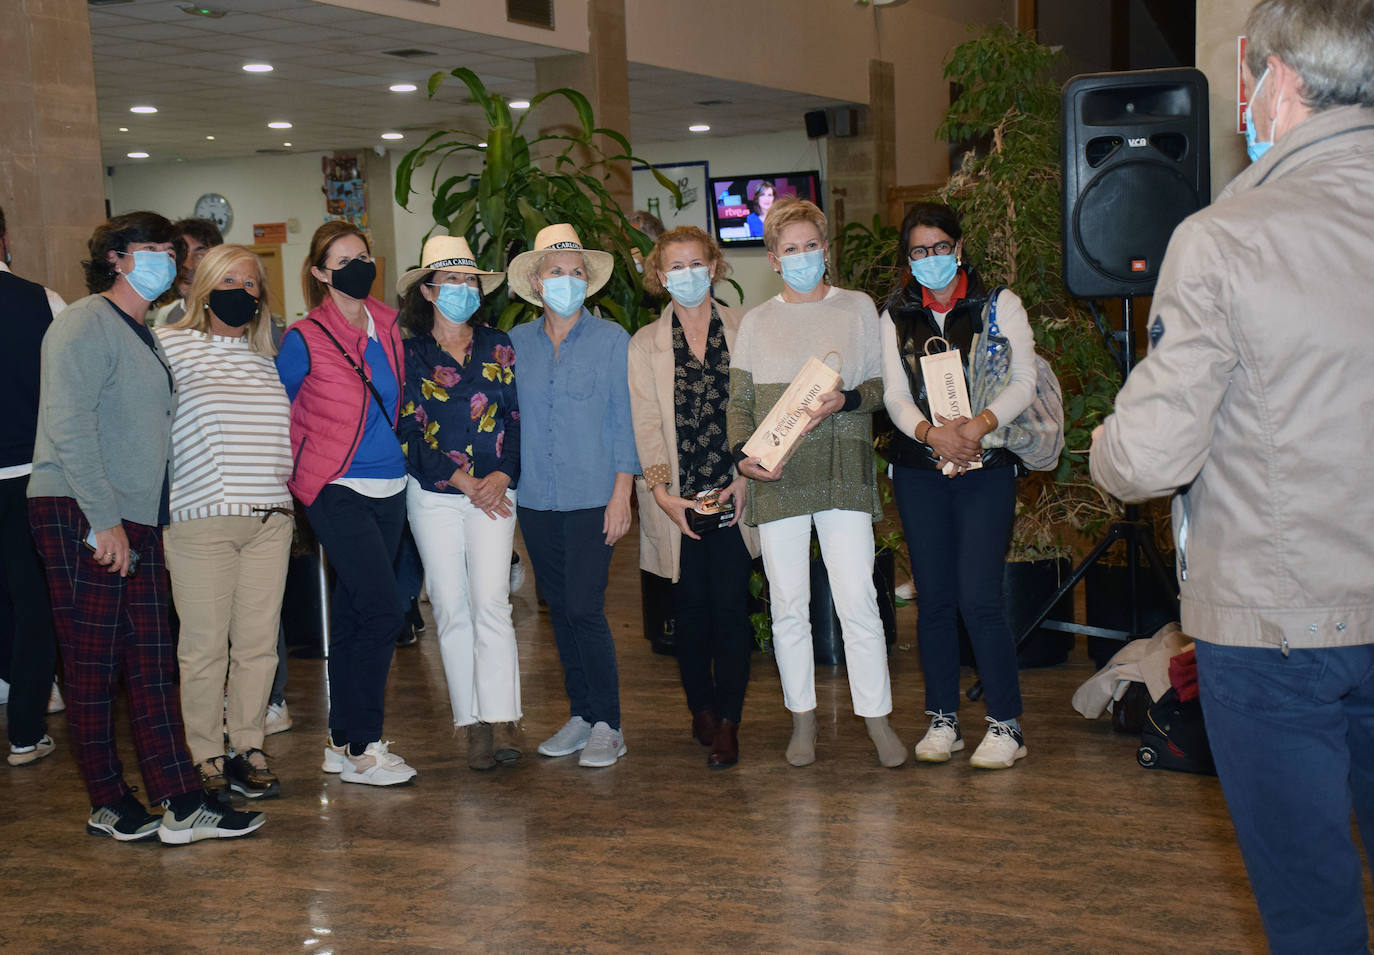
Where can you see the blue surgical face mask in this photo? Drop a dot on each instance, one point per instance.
(152, 274)
(689, 287)
(457, 303)
(563, 294)
(1252, 148)
(935, 271)
(803, 270)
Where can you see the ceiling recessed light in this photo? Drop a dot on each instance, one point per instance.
(124, 129)
(257, 67)
(210, 137)
(286, 144)
(195, 10)
(481, 145)
(403, 87)
(519, 104)
(280, 124)
(393, 135)
(137, 155)
(143, 109)
(698, 128)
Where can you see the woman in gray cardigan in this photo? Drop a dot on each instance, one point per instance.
(97, 504)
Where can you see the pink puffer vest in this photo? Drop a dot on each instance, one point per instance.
(331, 406)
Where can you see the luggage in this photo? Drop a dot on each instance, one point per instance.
(1175, 736)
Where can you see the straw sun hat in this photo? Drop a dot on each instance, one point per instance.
(448, 253)
(559, 237)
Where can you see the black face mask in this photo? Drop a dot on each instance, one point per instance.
(234, 307)
(354, 279)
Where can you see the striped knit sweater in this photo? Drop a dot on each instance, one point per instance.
(231, 448)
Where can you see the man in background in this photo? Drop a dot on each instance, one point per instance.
(1254, 408)
(194, 238)
(26, 311)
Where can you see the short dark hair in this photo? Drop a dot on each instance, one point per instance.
(417, 312)
(116, 235)
(203, 231)
(936, 215)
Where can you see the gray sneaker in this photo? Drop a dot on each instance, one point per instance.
(125, 821)
(568, 740)
(604, 747)
(207, 821)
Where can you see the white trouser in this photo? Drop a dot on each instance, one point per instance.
(846, 539)
(467, 572)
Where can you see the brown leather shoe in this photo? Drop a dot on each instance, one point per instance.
(725, 747)
(704, 725)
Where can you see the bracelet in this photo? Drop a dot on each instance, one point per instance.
(992, 420)
(929, 426)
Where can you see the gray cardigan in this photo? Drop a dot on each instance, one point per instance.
(104, 417)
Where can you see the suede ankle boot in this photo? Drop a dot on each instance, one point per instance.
(891, 750)
(801, 750)
(480, 746)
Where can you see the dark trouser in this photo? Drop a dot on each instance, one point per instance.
(712, 629)
(957, 531)
(278, 694)
(410, 572)
(111, 626)
(35, 643)
(360, 535)
(1293, 739)
(572, 562)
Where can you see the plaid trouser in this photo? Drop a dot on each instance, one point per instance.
(108, 626)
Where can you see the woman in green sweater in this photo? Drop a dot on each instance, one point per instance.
(829, 482)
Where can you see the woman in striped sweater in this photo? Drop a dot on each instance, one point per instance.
(230, 536)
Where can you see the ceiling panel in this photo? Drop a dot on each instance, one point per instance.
(331, 81)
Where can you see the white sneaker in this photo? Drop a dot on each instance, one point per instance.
(377, 767)
(55, 702)
(335, 757)
(517, 574)
(1000, 748)
(23, 755)
(278, 719)
(906, 591)
(571, 738)
(604, 747)
(941, 740)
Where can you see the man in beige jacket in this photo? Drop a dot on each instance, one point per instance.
(1253, 409)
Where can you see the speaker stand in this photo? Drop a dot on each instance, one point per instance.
(1137, 535)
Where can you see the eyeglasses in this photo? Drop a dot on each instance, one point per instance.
(921, 251)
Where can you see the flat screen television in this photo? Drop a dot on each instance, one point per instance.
(740, 203)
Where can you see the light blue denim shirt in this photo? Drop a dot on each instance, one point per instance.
(575, 429)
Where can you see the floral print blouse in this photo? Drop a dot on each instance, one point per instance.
(460, 411)
(701, 391)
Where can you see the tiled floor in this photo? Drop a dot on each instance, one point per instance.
(1076, 850)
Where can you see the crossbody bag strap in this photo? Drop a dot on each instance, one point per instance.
(362, 375)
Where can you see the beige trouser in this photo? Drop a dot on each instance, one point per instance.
(228, 574)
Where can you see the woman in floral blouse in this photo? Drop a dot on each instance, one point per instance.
(460, 425)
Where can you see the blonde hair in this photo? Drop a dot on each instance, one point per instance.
(211, 271)
(653, 262)
(790, 211)
(315, 290)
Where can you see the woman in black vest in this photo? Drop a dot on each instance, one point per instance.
(956, 500)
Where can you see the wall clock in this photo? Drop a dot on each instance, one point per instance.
(216, 208)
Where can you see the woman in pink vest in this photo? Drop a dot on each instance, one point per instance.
(343, 369)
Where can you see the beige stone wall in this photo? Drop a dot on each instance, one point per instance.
(50, 175)
(1219, 22)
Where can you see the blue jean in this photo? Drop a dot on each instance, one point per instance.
(957, 531)
(572, 563)
(1293, 739)
(360, 536)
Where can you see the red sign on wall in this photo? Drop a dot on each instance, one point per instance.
(1242, 94)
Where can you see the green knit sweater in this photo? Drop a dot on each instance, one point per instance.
(833, 469)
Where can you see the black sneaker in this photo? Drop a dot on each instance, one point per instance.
(207, 820)
(407, 637)
(125, 821)
(414, 617)
(249, 776)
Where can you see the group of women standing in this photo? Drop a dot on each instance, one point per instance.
(201, 431)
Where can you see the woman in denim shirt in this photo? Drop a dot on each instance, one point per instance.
(460, 425)
(577, 453)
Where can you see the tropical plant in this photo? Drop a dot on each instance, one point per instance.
(511, 186)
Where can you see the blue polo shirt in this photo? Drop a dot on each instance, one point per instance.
(575, 429)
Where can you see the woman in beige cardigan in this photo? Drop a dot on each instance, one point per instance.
(679, 370)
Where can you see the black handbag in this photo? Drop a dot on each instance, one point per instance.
(710, 514)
